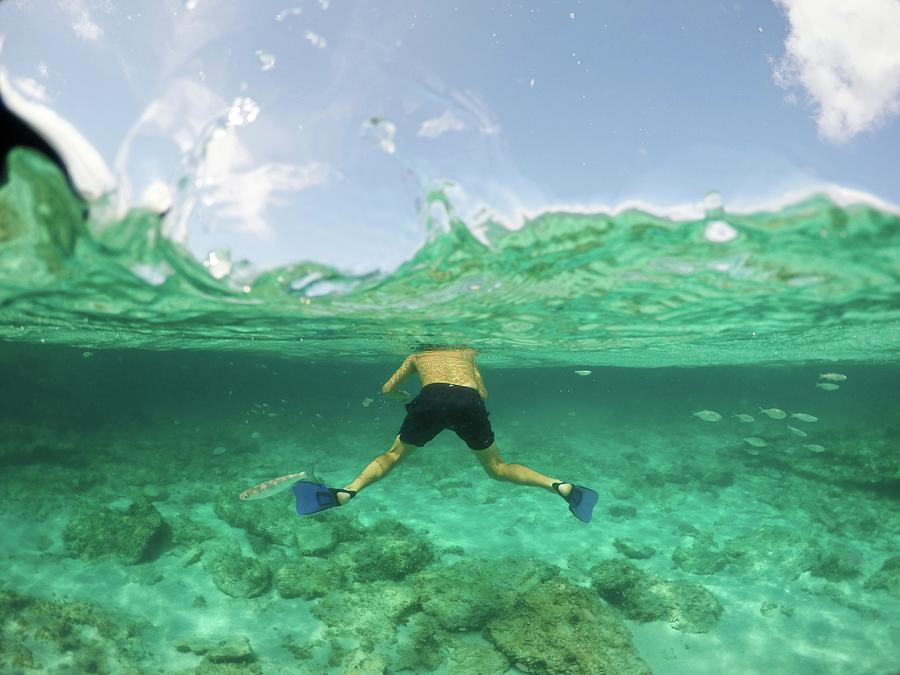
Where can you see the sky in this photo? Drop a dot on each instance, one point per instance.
(290, 131)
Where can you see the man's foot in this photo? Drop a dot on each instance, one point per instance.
(581, 499)
(563, 489)
(315, 497)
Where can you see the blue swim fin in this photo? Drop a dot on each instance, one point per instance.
(581, 501)
(315, 497)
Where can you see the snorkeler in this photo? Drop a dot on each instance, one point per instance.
(452, 397)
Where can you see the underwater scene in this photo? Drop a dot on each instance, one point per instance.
(747, 511)
(363, 338)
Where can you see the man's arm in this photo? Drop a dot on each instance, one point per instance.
(480, 382)
(404, 371)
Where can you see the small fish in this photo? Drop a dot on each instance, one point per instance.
(833, 377)
(796, 431)
(803, 417)
(220, 450)
(744, 417)
(366, 402)
(774, 413)
(87, 355)
(583, 373)
(707, 415)
(827, 386)
(751, 451)
(755, 441)
(814, 448)
(271, 487)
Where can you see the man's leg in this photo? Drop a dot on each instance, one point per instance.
(516, 473)
(378, 468)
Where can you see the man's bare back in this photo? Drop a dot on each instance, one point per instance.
(447, 366)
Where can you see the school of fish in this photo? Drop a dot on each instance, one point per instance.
(755, 442)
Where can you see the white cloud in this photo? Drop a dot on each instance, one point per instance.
(438, 126)
(846, 55)
(83, 25)
(182, 113)
(290, 11)
(185, 113)
(239, 188)
(234, 183)
(244, 195)
(316, 40)
(87, 29)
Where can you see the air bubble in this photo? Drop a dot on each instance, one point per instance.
(380, 132)
(719, 231)
(244, 110)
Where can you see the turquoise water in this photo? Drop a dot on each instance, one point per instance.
(791, 543)
(142, 395)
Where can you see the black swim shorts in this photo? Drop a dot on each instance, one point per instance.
(442, 406)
